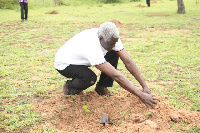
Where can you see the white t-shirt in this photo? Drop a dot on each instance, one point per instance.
(83, 49)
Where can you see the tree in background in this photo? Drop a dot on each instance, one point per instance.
(181, 7)
(56, 2)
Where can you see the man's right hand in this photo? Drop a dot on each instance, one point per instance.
(149, 100)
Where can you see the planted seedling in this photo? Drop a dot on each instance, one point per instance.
(148, 115)
(87, 111)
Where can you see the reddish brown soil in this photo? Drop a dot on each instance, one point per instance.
(117, 23)
(52, 12)
(126, 112)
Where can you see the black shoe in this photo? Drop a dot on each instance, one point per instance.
(103, 91)
(65, 89)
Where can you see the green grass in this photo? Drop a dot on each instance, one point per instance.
(166, 49)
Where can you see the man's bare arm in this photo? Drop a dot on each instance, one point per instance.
(133, 69)
(110, 71)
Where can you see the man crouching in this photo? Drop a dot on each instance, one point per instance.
(100, 47)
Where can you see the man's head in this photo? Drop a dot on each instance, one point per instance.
(108, 35)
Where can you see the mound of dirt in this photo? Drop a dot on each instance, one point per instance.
(52, 12)
(140, 5)
(125, 111)
(116, 22)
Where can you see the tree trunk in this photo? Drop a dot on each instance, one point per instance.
(56, 2)
(181, 7)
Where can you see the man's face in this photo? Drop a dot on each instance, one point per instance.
(108, 45)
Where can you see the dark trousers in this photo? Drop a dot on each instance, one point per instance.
(148, 2)
(24, 7)
(83, 77)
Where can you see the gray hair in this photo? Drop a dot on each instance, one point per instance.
(108, 30)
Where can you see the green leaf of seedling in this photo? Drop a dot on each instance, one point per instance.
(87, 111)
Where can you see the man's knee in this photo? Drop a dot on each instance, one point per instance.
(93, 79)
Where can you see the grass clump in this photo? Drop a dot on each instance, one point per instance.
(18, 116)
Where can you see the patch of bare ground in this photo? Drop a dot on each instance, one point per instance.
(126, 112)
(116, 22)
(157, 15)
(52, 12)
(140, 5)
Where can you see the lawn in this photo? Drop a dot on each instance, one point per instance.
(165, 46)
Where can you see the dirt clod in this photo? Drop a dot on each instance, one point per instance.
(52, 12)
